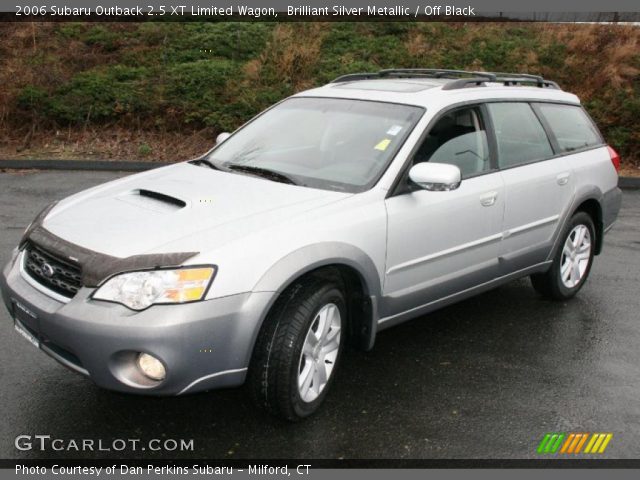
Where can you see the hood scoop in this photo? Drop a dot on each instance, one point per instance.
(152, 200)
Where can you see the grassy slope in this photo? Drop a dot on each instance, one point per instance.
(162, 90)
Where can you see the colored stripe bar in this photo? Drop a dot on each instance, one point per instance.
(599, 440)
(557, 444)
(606, 441)
(581, 443)
(572, 443)
(543, 443)
(565, 447)
(550, 443)
(594, 437)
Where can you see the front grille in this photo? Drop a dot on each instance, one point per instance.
(61, 276)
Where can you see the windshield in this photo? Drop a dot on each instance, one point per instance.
(334, 144)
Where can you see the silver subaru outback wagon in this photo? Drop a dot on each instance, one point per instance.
(335, 214)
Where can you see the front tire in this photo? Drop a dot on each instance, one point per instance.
(572, 262)
(298, 349)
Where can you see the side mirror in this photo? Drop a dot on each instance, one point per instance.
(436, 177)
(222, 137)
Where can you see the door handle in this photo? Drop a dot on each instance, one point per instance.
(563, 178)
(488, 199)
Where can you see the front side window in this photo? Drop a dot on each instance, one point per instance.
(519, 134)
(571, 126)
(335, 144)
(457, 138)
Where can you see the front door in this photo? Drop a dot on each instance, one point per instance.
(442, 243)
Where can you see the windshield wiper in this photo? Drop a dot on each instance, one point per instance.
(264, 172)
(208, 163)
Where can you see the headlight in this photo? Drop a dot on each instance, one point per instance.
(139, 290)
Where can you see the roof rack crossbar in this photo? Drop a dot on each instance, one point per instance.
(463, 78)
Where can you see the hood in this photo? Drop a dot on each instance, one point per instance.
(142, 213)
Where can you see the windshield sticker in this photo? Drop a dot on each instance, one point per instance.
(382, 146)
(394, 130)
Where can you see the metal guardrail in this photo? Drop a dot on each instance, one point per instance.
(96, 165)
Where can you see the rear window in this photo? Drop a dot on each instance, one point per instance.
(520, 136)
(571, 126)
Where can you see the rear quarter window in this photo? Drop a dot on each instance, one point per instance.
(571, 126)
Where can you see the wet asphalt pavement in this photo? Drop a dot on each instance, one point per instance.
(485, 378)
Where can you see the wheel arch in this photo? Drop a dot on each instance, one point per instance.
(349, 265)
(593, 208)
(590, 200)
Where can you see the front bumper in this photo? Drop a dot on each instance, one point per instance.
(203, 345)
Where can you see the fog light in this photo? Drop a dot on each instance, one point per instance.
(151, 367)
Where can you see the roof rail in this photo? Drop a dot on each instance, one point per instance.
(519, 78)
(433, 73)
(410, 73)
(463, 78)
(506, 81)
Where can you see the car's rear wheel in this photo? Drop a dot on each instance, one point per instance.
(298, 349)
(572, 262)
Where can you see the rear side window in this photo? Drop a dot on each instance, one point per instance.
(571, 126)
(519, 134)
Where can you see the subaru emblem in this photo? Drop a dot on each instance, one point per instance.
(47, 270)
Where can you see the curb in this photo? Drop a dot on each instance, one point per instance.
(97, 165)
(629, 182)
(124, 166)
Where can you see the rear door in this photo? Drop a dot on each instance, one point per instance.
(538, 185)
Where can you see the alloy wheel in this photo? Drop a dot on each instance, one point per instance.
(576, 255)
(319, 352)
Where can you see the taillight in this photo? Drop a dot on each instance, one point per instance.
(615, 158)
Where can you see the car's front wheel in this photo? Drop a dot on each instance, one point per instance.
(298, 349)
(572, 262)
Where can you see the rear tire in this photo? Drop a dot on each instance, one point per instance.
(572, 262)
(298, 349)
